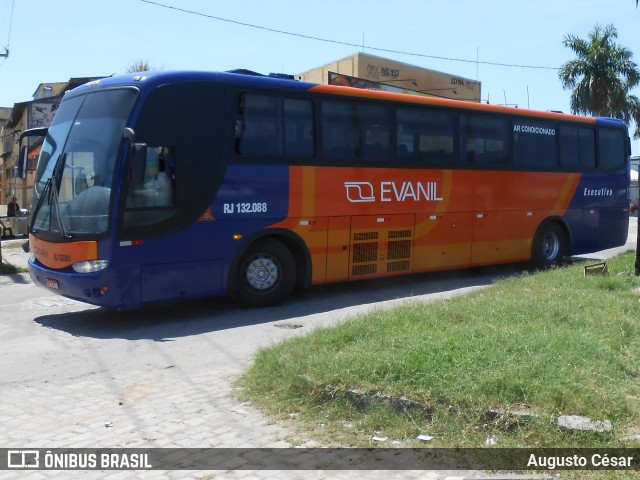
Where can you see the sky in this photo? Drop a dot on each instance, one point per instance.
(54, 41)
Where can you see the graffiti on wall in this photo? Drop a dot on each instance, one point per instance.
(382, 73)
(41, 114)
(467, 84)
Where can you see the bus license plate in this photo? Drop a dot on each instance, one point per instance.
(53, 283)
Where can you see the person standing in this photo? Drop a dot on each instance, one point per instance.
(6, 231)
(13, 209)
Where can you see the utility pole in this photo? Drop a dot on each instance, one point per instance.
(637, 264)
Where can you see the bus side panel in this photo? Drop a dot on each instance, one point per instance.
(251, 199)
(500, 237)
(442, 240)
(194, 262)
(170, 280)
(301, 197)
(338, 240)
(184, 264)
(462, 217)
(574, 220)
(602, 199)
(613, 228)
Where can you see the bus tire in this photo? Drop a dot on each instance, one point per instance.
(265, 274)
(549, 246)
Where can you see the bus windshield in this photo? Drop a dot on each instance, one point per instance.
(75, 172)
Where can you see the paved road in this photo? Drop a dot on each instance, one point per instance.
(72, 375)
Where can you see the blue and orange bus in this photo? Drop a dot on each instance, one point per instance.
(173, 185)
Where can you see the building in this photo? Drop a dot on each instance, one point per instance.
(393, 76)
(25, 115)
(5, 113)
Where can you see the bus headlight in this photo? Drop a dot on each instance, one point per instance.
(90, 266)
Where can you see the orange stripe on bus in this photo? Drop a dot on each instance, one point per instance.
(452, 218)
(444, 102)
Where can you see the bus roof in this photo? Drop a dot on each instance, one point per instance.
(445, 102)
(151, 80)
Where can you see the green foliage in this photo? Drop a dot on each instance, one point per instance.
(139, 66)
(7, 269)
(557, 342)
(601, 76)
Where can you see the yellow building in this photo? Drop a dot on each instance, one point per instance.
(25, 115)
(5, 113)
(405, 77)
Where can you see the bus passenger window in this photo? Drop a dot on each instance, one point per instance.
(587, 148)
(577, 148)
(374, 132)
(569, 153)
(271, 126)
(611, 148)
(298, 128)
(484, 140)
(534, 144)
(257, 127)
(339, 134)
(355, 132)
(425, 136)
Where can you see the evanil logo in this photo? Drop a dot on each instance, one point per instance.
(361, 192)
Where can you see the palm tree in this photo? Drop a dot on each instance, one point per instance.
(601, 76)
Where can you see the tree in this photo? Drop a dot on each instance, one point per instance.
(139, 66)
(601, 77)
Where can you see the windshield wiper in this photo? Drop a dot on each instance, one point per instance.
(50, 190)
(56, 208)
(36, 209)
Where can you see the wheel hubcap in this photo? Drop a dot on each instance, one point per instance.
(261, 273)
(551, 245)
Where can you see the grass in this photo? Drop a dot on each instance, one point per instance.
(7, 268)
(553, 342)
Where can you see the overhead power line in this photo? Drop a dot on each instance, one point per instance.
(6, 49)
(338, 42)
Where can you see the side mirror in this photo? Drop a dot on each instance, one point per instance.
(129, 134)
(138, 163)
(24, 151)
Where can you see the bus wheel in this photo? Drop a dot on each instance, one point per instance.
(266, 274)
(548, 246)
